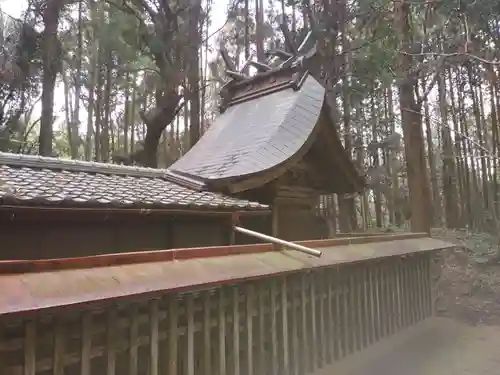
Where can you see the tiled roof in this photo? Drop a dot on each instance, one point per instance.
(41, 181)
(259, 133)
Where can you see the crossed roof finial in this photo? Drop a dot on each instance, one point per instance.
(293, 56)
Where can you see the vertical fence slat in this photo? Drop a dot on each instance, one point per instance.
(133, 358)
(295, 304)
(154, 320)
(339, 326)
(421, 311)
(190, 333)
(86, 344)
(331, 323)
(306, 345)
(222, 333)
(323, 332)
(404, 299)
(262, 328)
(250, 298)
(207, 339)
(284, 323)
(261, 347)
(236, 331)
(172, 338)
(30, 348)
(414, 290)
(428, 278)
(59, 347)
(111, 341)
(353, 310)
(372, 287)
(365, 303)
(386, 299)
(394, 295)
(346, 319)
(314, 344)
(399, 295)
(274, 330)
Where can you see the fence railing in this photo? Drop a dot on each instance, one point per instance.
(279, 322)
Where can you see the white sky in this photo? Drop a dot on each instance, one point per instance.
(15, 8)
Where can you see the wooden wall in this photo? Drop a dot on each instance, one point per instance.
(36, 239)
(296, 223)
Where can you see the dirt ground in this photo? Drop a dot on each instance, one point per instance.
(468, 282)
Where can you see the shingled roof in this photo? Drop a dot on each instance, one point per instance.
(40, 181)
(268, 121)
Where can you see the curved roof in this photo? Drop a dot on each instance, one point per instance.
(256, 135)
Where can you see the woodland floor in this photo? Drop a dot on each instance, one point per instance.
(468, 287)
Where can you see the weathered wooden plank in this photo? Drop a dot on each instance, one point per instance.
(207, 337)
(154, 322)
(59, 347)
(414, 290)
(400, 296)
(330, 316)
(353, 307)
(222, 333)
(421, 309)
(295, 352)
(339, 321)
(347, 319)
(86, 344)
(133, 358)
(30, 348)
(261, 345)
(190, 333)
(428, 285)
(394, 295)
(236, 331)
(404, 294)
(250, 299)
(306, 345)
(274, 329)
(367, 307)
(111, 342)
(362, 302)
(172, 338)
(284, 324)
(322, 325)
(385, 299)
(372, 290)
(314, 333)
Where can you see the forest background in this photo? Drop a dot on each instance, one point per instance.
(413, 85)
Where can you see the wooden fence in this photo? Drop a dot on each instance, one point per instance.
(294, 323)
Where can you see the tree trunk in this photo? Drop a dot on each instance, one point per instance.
(105, 133)
(411, 120)
(75, 123)
(259, 29)
(51, 61)
(194, 78)
(73, 147)
(436, 202)
(449, 170)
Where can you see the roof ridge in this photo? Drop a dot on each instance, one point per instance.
(71, 165)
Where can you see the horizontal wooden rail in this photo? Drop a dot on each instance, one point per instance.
(107, 260)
